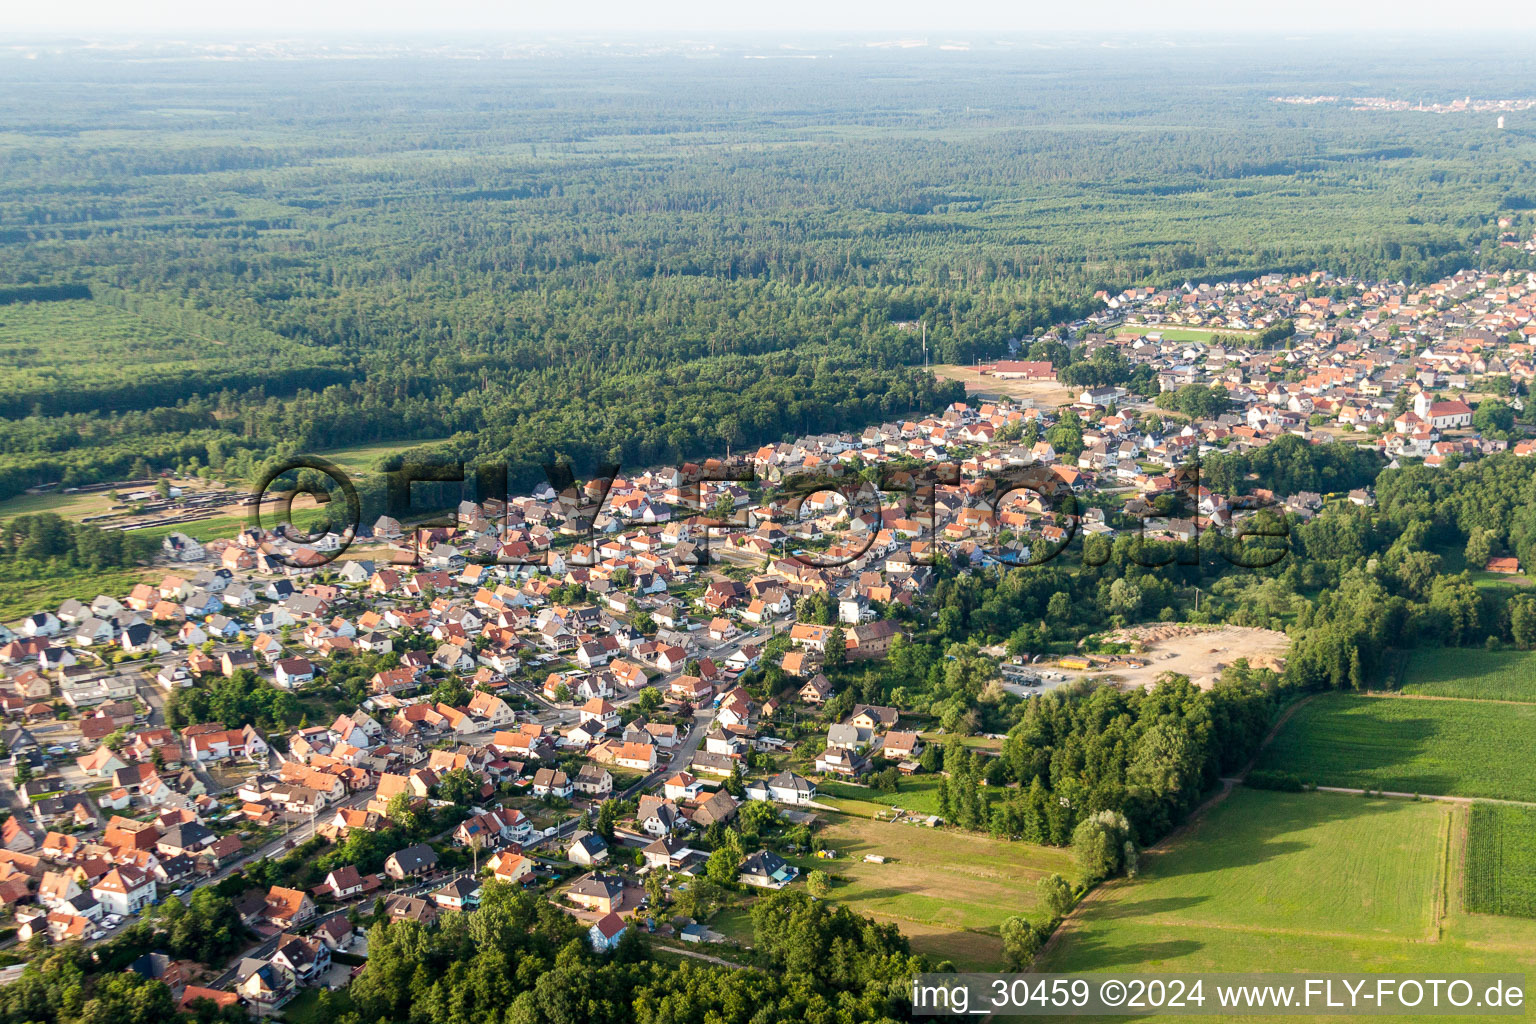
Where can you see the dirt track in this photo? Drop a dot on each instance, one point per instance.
(1043, 393)
(1198, 652)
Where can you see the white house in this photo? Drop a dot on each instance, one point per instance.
(784, 788)
(606, 933)
(124, 890)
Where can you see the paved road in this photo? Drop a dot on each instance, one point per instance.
(680, 757)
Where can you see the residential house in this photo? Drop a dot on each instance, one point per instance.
(288, 908)
(124, 890)
(411, 862)
(767, 870)
(606, 932)
(599, 892)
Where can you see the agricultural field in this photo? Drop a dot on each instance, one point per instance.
(949, 892)
(1295, 882)
(1410, 745)
(1501, 860)
(1479, 675)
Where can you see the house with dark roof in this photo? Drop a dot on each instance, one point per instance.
(785, 788)
(718, 806)
(411, 862)
(411, 908)
(344, 881)
(587, 849)
(160, 967)
(307, 959)
(461, 893)
(264, 986)
(599, 892)
(767, 870)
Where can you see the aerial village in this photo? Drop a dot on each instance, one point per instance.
(579, 692)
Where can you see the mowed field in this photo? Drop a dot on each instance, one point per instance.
(1501, 860)
(359, 460)
(1478, 675)
(1409, 745)
(1182, 333)
(1298, 882)
(949, 892)
(919, 794)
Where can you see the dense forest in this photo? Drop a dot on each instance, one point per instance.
(520, 960)
(51, 539)
(206, 264)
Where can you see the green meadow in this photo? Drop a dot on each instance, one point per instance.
(1297, 882)
(1400, 744)
(1479, 675)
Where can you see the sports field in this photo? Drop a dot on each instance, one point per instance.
(1501, 860)
(948, 891)
(1183, 333)
(1409, 745)
(1480, 675)
(1298, 882)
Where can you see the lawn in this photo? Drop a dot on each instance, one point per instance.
(1441, 747)
(360, 460)
(301, 1009)
(986, 743)
(735, 923)
(304, 514)
(1181, 333)
(1501, 860)
(1298, 882)
(1485, 675)
(70, 506)
(948, 891)
(918, 794)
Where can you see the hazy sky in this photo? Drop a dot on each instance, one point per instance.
(674, 17)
